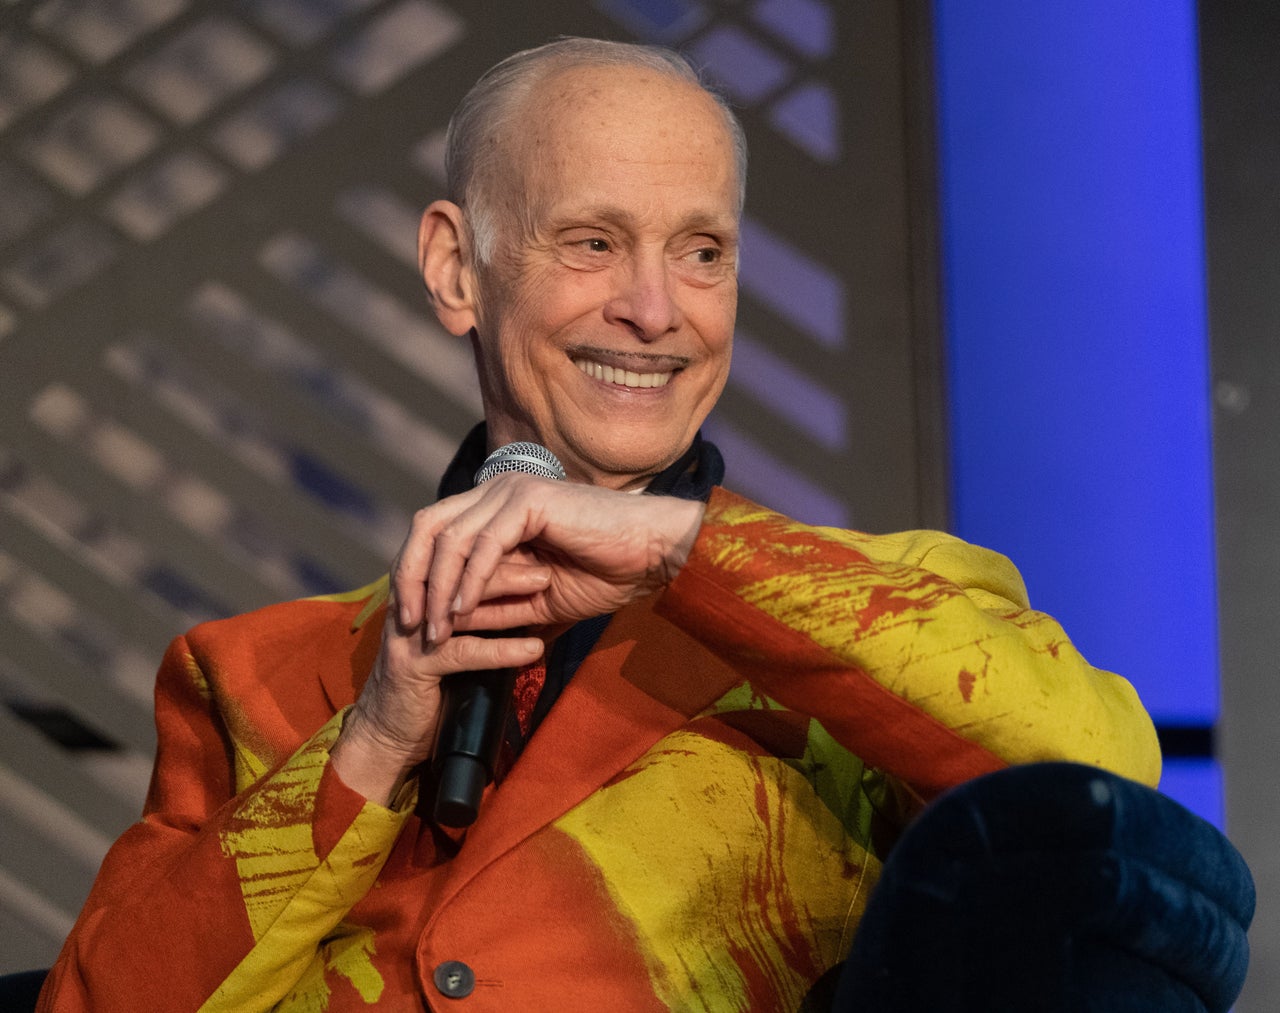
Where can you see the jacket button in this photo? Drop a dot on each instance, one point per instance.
(454, 979)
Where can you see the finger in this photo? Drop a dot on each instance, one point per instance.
(513, 597)
(409, 571)
(502, 614)
(472, 654)
(516, 579)
(470, 548)
(449, 558)
(410, 663)
(412, 564)
(487, 553)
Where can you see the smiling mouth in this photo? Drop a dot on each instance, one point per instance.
(632, 370)
(622, 377)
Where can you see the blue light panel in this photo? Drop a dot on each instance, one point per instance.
(1075, 306)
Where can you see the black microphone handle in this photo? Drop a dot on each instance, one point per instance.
(471, 731)
(475, 704)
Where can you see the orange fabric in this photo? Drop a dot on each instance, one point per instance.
(676, 831)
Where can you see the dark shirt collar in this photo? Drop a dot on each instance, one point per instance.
(698, 470)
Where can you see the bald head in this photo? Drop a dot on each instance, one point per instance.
(488, 134)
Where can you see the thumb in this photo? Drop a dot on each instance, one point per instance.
(482, 650)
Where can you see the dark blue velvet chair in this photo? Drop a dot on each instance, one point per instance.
(19, 991)
(1054, 888)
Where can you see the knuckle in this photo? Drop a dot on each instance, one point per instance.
(395, 653)
(401, 582)
(450, 539)
(487, 541)
(514, 484)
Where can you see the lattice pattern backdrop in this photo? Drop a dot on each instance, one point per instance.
(221, 383)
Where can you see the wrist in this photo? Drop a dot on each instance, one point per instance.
(367, 765)
(686, 522)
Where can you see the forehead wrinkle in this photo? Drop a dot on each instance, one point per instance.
(602, 97)
(549, 138)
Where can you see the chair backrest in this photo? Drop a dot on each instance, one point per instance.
(20, 990)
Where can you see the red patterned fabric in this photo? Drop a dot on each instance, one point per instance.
(529, 682)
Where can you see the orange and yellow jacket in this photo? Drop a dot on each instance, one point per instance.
(696, 825)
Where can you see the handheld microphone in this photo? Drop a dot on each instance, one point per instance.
(476, 703)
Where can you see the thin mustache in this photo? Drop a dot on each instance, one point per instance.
(652, 361)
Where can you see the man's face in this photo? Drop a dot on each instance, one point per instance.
(605, 322)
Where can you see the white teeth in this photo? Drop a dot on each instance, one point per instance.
(621, 377)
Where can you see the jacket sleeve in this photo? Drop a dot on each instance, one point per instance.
(238, 869)
(917, 652)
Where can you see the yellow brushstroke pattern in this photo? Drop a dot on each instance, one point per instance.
(839, 778)
(198, 679)
(272, 845)
(944, 625)
(294, 900)
(348, 953)
(730, 832)
(376, 593)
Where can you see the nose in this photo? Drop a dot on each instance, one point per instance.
(645, 299)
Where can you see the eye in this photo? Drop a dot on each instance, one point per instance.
(704, 256)
(587, 247)
(706, 259)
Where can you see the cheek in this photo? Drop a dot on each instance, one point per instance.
(715, 320)
(531, 344)
(551, 300)
(521, 323)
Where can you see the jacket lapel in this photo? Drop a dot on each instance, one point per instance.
(644, 680)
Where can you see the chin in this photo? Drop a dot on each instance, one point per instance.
(632, 462)
(606, 452)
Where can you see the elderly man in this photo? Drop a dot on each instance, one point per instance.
(723, 717)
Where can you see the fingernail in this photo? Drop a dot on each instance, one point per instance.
(406, 616)
(457, 603)
(431, 633)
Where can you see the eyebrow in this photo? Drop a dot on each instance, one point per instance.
(698, 221)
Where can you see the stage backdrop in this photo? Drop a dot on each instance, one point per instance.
(219, 382)
(1077, 336)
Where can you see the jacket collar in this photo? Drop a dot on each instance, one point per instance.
(644, 680)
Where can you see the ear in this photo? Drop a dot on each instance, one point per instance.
(445, 261)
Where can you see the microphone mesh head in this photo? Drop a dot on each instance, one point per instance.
(528, 458)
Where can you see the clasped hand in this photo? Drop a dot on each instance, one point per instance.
(590, 551)
(517, 551)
